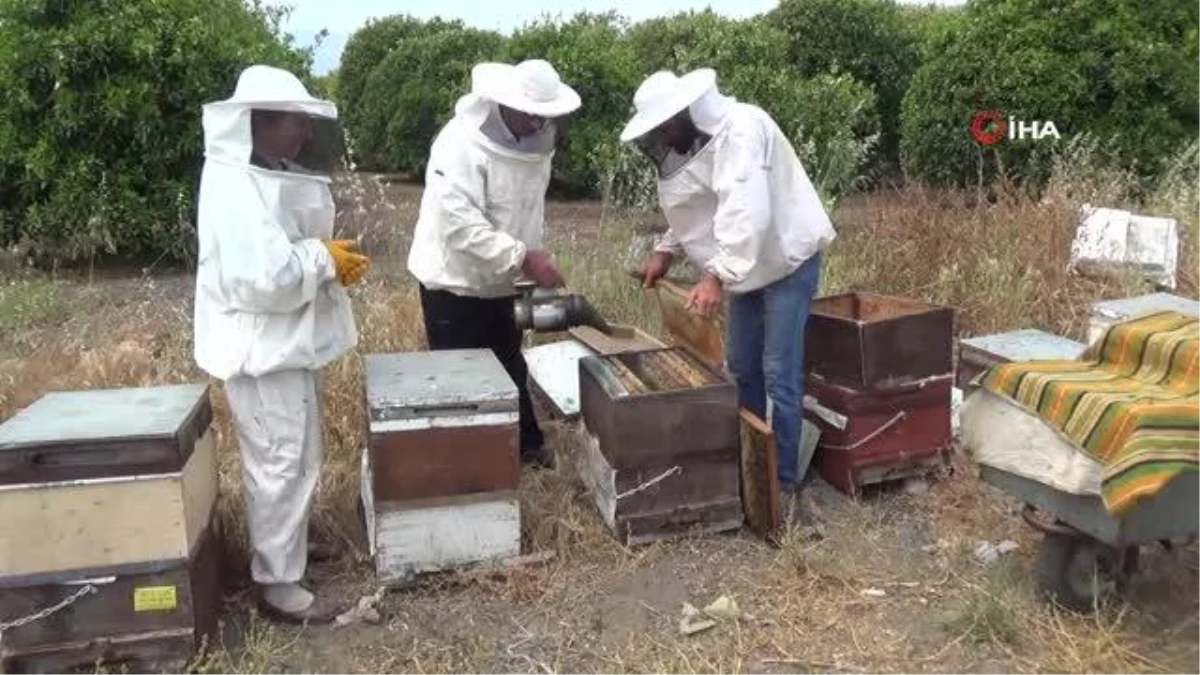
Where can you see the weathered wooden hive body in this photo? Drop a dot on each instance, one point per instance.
(662, 457)
(109, 494)
(440, 473)
(879, 370)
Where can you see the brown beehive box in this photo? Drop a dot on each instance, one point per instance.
(882, 435)
(866, 341)
(662, 457)
(115, 488)
(442, 424)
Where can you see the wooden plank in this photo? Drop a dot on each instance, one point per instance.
(442, 462)
(760, 476)
(446, 536)
(107, 522)
(696, 520)
(200, 485)
(624, 339)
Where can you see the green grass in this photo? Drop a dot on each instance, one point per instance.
(24, 304)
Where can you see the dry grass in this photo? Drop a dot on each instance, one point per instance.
(601, 607)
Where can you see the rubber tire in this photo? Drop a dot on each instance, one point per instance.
(1056, 557)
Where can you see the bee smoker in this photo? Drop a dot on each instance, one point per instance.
(547, 311)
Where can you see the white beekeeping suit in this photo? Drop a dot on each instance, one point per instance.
(270, 305)
(740, 205)
(485, 193)
(481, 221)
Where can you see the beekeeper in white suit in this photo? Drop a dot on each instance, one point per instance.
(741, 208)
(271, 308)
(481, 220)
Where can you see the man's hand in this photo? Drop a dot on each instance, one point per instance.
(656, 268)
(705, 296)
(539, 266)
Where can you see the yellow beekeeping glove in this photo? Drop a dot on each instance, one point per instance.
(348, 263)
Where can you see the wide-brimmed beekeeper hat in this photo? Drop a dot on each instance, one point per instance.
(532, 87)
(662, 95)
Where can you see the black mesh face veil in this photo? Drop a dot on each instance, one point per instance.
(665, 159)
(295, 142)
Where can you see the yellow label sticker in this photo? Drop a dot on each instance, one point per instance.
(155, 599)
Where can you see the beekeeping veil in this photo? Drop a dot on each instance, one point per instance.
(664, 95)
(272, 123)
(270, 149)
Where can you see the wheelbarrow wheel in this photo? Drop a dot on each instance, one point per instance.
(1079, 572)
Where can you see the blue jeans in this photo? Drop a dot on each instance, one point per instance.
(765, 352)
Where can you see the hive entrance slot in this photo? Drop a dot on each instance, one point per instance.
(434, 410)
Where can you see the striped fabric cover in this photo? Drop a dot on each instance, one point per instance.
(1131, 401)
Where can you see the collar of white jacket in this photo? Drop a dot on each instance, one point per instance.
(664, 94)
(227, 134)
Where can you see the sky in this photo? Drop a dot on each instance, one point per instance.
(342, 17)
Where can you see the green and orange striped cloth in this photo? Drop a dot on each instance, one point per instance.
(1131, 401)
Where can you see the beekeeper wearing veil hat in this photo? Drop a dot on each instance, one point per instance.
(481, 218)
(271, 308)
(741, 208)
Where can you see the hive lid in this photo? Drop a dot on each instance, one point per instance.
(437, 384)
(1132, 308)
(83, 417)
(554, 369)
(1026, 345)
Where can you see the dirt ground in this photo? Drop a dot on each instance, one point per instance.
(893, 585)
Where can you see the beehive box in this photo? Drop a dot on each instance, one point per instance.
(441, 468)
(977, 355)
(1108, 312)
(662, 457)
(877, 436)
(117, 487)
(866, 341)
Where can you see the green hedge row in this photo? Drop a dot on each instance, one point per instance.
(101, 146)
(867, 89)
(100, 139)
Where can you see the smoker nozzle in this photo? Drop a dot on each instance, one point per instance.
(582, 313)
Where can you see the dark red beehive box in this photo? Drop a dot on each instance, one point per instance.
(870, 437)
(866, 341)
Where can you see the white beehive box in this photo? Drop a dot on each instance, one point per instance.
(440, 473)
(105, 479)
(1109, 312)
(1113, 239)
